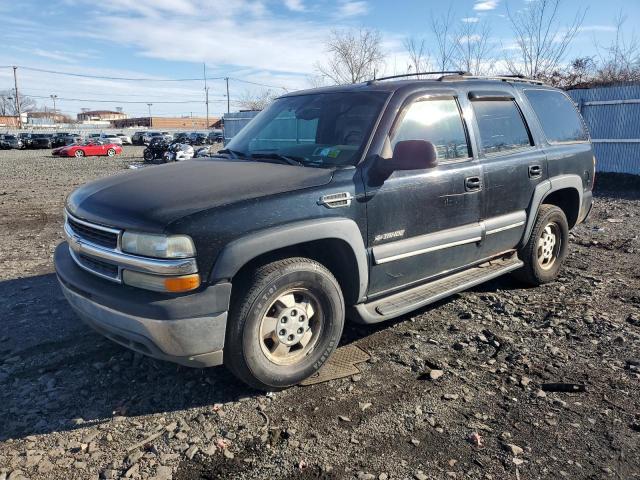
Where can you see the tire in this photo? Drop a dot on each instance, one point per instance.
(147, 155)
(79, 153)
(283, 290)
(111, 152)
(546, 249)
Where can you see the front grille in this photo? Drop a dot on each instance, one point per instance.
(100, 267)
(94, 235)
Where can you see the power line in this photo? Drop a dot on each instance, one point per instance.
(128, 79)
(89, 100)
(256, 83)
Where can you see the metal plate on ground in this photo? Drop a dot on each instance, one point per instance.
(341, 364)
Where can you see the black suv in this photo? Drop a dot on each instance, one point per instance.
(366, 201)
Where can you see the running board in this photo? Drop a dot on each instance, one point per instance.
(408, 300)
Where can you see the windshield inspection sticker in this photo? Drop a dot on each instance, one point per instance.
(330, 152)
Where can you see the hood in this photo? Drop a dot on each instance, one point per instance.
(151, 198)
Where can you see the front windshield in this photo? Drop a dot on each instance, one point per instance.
(322, 129)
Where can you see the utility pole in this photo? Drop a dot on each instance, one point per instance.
(15, 82)
(150, 120)
(228, 102)
(53, 97)
(206, 90)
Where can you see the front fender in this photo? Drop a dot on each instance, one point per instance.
(237, 253)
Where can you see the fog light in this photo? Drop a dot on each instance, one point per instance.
(159, 283)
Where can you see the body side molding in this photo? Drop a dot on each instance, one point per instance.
(237, 253)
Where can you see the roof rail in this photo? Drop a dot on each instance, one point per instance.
(504, 78)
(417, 74)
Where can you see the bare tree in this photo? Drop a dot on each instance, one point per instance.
(8, 103)
(620, 60)
(256, 101)
(354, 56)
(442, 27)
(474, 49)
(419, 58)
(540, 39)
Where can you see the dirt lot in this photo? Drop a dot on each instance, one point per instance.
(76, 406)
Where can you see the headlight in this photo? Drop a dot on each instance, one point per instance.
(158, 246)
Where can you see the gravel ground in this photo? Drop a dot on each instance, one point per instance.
(462, 389)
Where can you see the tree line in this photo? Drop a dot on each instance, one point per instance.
(541, 37)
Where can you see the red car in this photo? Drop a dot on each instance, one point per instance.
(92, 148)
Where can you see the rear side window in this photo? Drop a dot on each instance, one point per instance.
(559, 118)
(437, 121)
(501, 126)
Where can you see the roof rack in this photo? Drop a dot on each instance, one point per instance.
(504, 78)
(417, 74)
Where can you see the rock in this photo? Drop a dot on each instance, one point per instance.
(415, 441)
(164, 473)
(514, 449)
(383, 476)
(132, 471)
(191, 451)
(366, 476)
(45, 466)
(228, 454)
(450, 396)
(133, 457)
(79, 465)
(435, 374)
(32, 460)
(343, 418)
(419, 475)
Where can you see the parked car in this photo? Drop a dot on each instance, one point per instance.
(8, 141)
(148, 136)
(56, 140)
(88, 149)
(25, 138)
(178, 151)
(198, 138)
(92, 137)
(71, 139)
(40, 140)
(126, 139)
(389, 199)
(215, 136)
(111, 138)
(137, 138)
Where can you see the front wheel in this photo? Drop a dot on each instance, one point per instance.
(547, 247)
(147, 155)
(79, 153)
(111, 152)
(285, 324)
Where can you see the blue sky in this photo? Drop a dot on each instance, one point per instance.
(270, 42)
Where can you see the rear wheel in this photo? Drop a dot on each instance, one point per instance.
(79, 153)
(286, 325)
(547, 247)
(111, 152)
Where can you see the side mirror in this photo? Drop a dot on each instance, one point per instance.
(413, 155)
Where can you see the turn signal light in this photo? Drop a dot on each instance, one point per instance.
(182, 284)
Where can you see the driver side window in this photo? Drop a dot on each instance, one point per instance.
(438, 121)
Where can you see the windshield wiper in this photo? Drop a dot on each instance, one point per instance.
(289, 160)
(235, 154)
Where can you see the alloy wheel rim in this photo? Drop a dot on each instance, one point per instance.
(548, 246)
(290, 328)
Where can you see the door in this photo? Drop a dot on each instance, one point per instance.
(423, 223)
(513, 166)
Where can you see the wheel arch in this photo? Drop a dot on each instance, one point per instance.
(563, 191)
(335, 242)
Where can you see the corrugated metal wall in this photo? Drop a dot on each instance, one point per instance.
(613, 117)
(234, 122)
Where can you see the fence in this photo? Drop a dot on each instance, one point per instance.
(612, 115)
(234, 122)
